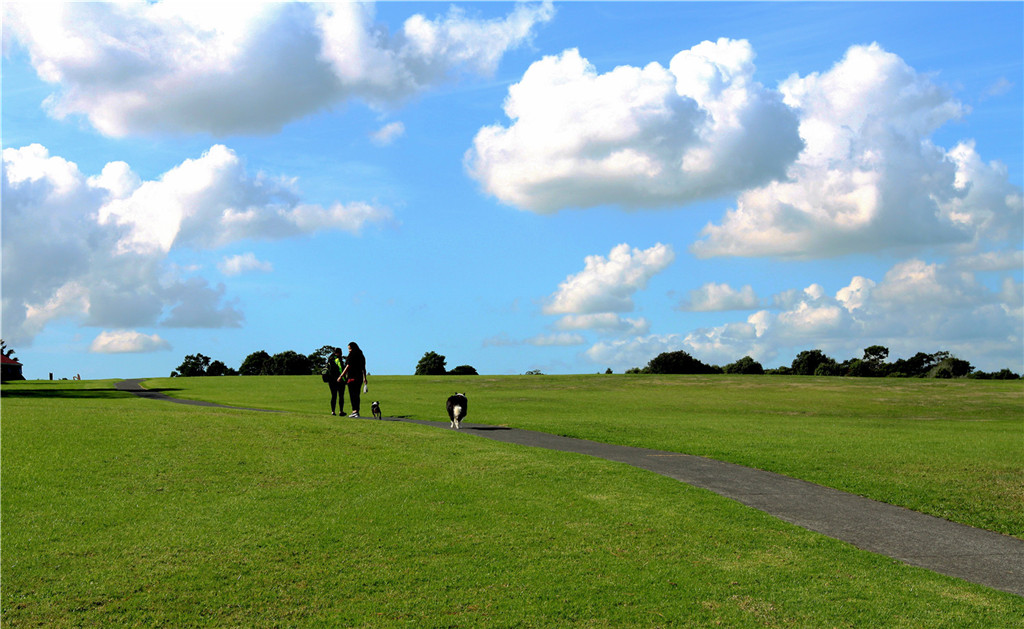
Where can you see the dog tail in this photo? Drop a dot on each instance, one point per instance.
(457, 412)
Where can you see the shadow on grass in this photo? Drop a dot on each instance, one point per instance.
(60, 392)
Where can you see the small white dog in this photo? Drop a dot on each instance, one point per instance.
(457, 408)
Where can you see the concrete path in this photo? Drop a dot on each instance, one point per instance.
(926, 541)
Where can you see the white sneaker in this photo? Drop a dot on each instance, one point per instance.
(354, 414)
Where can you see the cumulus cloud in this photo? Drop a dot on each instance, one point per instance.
(127, 341)
(869, 177)
(992, 261)
(228, 68)
(638, 137)
(243, 263)
(388, 133)
(212, 201)
(604, 323)
(560, 339)
(95, 248)
(608, 284)
(714, 297)
(633, 352)
(916, 306)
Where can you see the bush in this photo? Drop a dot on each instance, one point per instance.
(463, 370)
(745, 365)
(678, 363)
(255, 364)
(432, 364)
(290, 363)
(807, 362)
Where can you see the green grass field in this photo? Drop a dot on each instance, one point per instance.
(120, 511)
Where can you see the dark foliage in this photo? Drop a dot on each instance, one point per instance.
(678, 363)
(289, 363)
(432, 364)
(193, 365)
(255, 364)
(745, 365)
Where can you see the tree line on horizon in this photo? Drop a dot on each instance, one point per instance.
(813, 362)
(291, 363)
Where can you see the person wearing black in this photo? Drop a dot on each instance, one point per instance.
(354, 375)
(335, 365)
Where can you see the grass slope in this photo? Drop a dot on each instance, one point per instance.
(119, 511)
(950, 448)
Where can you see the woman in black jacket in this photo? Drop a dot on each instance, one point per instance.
(354, 375)
(335, 365)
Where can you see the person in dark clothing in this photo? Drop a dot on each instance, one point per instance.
(354, 375)
(335, 365)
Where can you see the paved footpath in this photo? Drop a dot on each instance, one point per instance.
(926, 541)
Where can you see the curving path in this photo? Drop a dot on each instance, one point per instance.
(957, 550)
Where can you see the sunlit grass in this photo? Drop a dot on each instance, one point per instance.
(954, 449)
(122, 511)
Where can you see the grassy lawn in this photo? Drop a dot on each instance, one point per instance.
(950, 448)
(119, 511)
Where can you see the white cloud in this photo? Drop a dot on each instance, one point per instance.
(992, 261)
(388, 133)
(604, 323)
(638, 137)
(95, 248)
(228, 68)
(915, 307)
(608, 284)
(560, 339)
(127, 341)
(634, 352)
(714, 297)
(212, 201)
(243, 263)
(869, 177)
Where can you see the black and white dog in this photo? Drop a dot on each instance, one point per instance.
(375, 407)
(457, 408)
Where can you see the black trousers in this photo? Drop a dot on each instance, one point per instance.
(353, 394)
(337, 395)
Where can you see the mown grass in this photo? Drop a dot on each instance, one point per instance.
(953, 449)
(119, 511)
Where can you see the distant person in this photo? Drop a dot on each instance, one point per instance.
(355, 375)
(335, 365)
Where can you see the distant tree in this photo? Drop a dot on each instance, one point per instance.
(432, 364)
(873, 363)
(318, 359)
(289, 363)
(876, 354)
(951, 367)
(535, 372)
(857, 368)
(9, 353)
(916, 366)
(678, 362)
(1002, 374)
(193, 365)
(806, 362)
(255, 364)
(463, 370)
(608, 371)
(745, 365)
(217, 368)
(827, 368)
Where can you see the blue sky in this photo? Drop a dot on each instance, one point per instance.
(566, 187)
